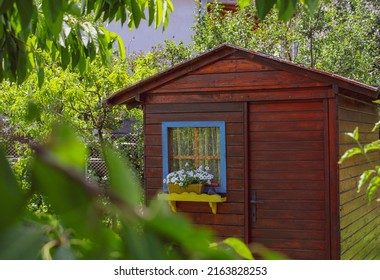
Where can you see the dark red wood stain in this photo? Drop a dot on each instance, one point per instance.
(297, 166)
(285, 131)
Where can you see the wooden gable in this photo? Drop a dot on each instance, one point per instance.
(236, 73)
(230, 68)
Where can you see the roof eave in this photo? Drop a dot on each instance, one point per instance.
(131, 95)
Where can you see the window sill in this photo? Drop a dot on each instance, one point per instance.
(172, 199)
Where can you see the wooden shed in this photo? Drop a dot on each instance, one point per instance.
(280, 131)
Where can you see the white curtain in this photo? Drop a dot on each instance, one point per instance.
(195, 146)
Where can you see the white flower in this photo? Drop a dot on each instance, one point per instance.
(186, 176)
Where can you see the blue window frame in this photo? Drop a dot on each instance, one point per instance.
(166, 141)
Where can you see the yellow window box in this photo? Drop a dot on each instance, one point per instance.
(172, 198)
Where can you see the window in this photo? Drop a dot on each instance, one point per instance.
(195, 143)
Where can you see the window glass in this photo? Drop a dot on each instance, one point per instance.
(196, 146)
(199, 143)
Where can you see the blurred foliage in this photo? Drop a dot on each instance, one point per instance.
(77, 229)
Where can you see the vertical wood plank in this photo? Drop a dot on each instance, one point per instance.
(145, 184)
(333, 130)
(327, 171)
(247, 220)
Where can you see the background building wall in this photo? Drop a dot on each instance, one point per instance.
(178, 29)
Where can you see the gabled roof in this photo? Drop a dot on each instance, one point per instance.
(131, 95)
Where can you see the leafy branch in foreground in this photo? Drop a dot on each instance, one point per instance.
(62, 28)
(77, 231)
(370, 177)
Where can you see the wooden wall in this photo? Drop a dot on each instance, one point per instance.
(359, 221)
(287, 171)
(229, 221)
(286, 155)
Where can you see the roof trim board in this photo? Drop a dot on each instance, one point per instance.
(131, 95)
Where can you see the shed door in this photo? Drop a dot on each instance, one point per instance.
(287, 152)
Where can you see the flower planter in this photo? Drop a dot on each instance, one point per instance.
(195, 188)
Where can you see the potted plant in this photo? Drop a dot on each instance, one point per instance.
(188, 179)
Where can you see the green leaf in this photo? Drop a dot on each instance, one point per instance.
(373, 146)
(53, 11)
(22, 69)
(244, 3)
(123, 16)
(66, 29)
(376, 126)
(136, 12)
(62, 39)
(67, 148)
(103, 39)
(84, 34)
(66, 195)
(1, 30)
(158, 12)
(94, 35)
(25, 9)
(240, 247)
(349, 153)
(168, 8)
(263, 7)
(40, 71)
(52, 8)
(82, 64)
(366, 175)
(74, 9)
(372, 187)
(121, 47)
(311, 5)
(40, 76)
(56, 175)
(123, 179)
(179, 230)
(91, 50)
(65, 57)
(286, 9)
(354, 135)
(12, 200)
(75, 55)
(151, 11)
(21, 242)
